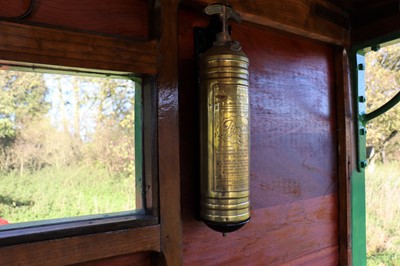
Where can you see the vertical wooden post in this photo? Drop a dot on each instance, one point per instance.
(165, 27)
(347, 156)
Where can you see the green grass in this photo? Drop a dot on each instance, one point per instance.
(65, 192)
(383, 214)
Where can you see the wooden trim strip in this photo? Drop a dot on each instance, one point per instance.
(345, 152)
(294, 16)
(166, 16)
(70, 227)
(83, 248)
(41, 45)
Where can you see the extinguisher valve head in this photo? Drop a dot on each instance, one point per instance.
(225, 13)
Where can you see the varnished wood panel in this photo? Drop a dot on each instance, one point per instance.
(142, 259)
(273, 236)
(326, 256)
(294, 181)
(120, 17)
(293, 118)
(40, 45)
(84, 248)
(295, 16)
(168, 131)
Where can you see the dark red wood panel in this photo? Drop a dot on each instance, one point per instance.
(274, 235)
(293, 121)
(326, 256)
(142, 259)
(120, 17)
(293, 151)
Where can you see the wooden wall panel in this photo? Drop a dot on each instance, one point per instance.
(123, 17)
(274, 235)
(326, 256)
(293, 152)
(143, 259)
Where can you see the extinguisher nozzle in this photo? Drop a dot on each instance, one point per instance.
(225, 228)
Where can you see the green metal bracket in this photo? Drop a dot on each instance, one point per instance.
(381, 110)
(364, 118)
(361, 107)
(358, 225)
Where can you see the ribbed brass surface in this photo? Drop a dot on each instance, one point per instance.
(225, 135)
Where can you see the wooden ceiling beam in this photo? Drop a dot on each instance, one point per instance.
(380, 31)
(294, 16)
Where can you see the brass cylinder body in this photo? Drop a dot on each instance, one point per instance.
(225, 146)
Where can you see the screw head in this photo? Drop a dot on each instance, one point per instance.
(361, 66)
(363, 164)
(375, 48)
(362, 99)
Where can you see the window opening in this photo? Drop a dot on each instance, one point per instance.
(70, 147)
(379, 75)
(382, 180)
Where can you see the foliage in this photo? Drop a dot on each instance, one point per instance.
(59, 120)
(383, 214)
(67, 145)
(22, 100)
(64, 192)
(382, 83)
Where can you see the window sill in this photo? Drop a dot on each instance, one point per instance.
(59, 228)
(127, 236)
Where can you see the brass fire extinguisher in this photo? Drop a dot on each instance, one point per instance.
(225, 146)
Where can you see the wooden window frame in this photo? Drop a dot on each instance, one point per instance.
(55, 49)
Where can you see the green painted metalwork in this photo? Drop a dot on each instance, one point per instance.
(381, 110)
(357, 182)
(358, 223)
(359, 80)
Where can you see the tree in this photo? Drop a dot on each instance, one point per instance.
(22, 98)
(62, 120)
(98, 115)
(382, 83)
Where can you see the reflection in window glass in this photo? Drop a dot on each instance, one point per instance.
(67, 146)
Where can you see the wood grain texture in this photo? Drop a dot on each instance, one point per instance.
(142, 259)
(168, 132)
(273, 236)
(123, 17)
(294, 181)
(295, 16)
(39, 45)
(293, 117)
(326, 256)
(84, 248)
(346, 149)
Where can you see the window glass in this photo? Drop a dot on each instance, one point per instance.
(67, 146)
